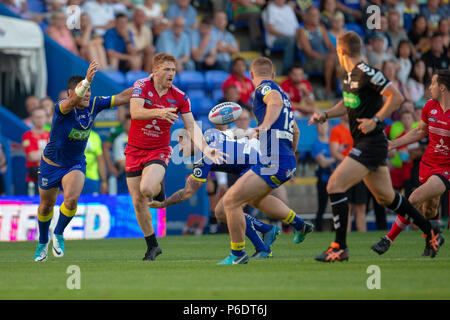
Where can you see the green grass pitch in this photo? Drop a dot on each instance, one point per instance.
(112, 269)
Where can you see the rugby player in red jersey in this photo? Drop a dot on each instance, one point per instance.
(154, 106)
(434, 172)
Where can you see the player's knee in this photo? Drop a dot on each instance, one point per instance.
(70, 203)
(430, 212)
(414, 199)
(219, 212)
(384, 200)
(150, 191)
(228, 201)
(333, 187)
(46, 207)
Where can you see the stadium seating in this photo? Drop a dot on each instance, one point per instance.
(117, 76)
(201, 106)
(215, 78)
(355, 27)
(216, 95)
(37, 6)
(191, 80)
(132, 76)
(196, 93)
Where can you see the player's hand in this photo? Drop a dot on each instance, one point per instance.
(91, 71)
(104, 187)
(391, 145)
(317, 117)
(156, 204)
(366, 125)
(215, 155)
(168, 114)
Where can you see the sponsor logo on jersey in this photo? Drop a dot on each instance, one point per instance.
(150, 94)
(351, 100)
(431, 119)
(198, 172)
(79, 135)
(44, 182)
(355, 152)
(149, 102)
(354, 84)
(185, 97)
(172, 101)
(265, 90)
(434, 111)
(441, 122)
(136, 91)
(275, 180)
(290, 173)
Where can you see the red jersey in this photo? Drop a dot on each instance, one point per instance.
(32, 141)
(245, 88)
(294, 93)
(437, 153)
(155, 133)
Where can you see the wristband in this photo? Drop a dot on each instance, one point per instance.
(81, 90)
(85, 83)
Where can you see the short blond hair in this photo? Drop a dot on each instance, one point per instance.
(162, 57)
(262, 66)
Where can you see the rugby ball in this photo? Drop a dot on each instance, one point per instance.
(225, 112)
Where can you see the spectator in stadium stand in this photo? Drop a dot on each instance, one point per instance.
(382, 31)
(96, 181)
(395, 32)
(19, 7)
(101, 15)
(319, 52)
(433, 13)
(231, 94)
(121, 6)
(404, 60)
(226, 44)
(351, 9)
(341, 142)
(34, 142)
(143, 39)
(299, 91)
(203, 46)
(337, 27)
(59, 32)
(444, 30)
(249, 11)
(408, 10)
(183, 8)
(390, 69)
(177, 43)
(118, 149)
(58, 5)
(3, 168)
(31, 103)
(281, 26)
(120, 46)
(416, 81)
(321, 154)
(155, 19)
(89, 44)
(419, 36)
(327, 11)
(107, 144)
(378, 55)
(437, 57)
(238, 79)
(48, 105)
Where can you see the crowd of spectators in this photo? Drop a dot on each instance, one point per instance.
(410, 42)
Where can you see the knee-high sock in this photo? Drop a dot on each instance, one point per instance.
(339, 206)
(44, 225)
(254, 237)
(65, 216)
(293, 220)
(403, 207)
(259, 225)
(398, 226)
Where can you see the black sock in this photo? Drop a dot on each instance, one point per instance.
(403, 207)
(339, 206)
(151, 241)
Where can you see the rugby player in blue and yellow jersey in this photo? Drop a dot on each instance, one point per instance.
(63, 163)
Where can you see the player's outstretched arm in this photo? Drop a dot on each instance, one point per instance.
(413, 135)
(181, 195)
(77, 95)
(215, 155)
(123, 97)
(337, 111)
(138, 111)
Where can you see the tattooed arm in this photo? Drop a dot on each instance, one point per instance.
(191, 187)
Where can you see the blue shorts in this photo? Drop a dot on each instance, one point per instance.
(276, 173)
(51, 176)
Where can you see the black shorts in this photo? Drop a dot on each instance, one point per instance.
(357, 194)
(371, 152)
